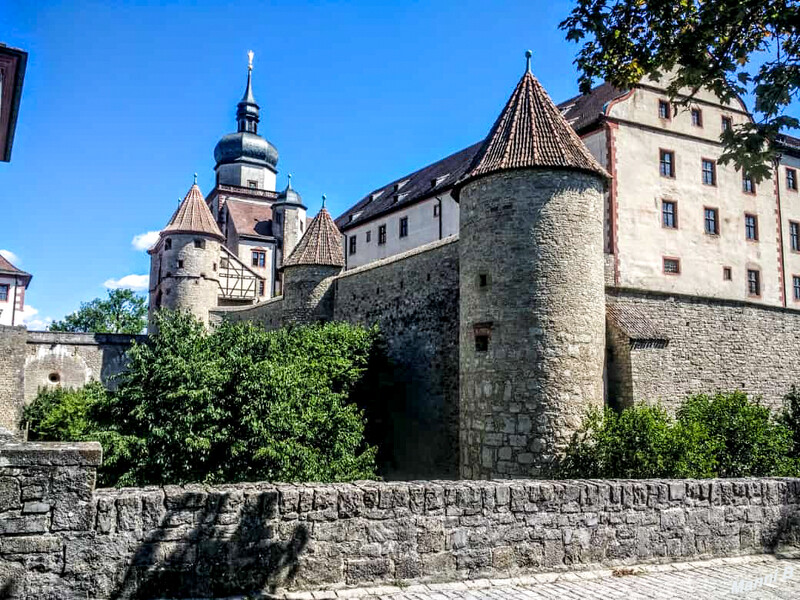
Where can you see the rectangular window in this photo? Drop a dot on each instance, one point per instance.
(711, 221)
(369, 236)
(180, 264)
(748, 187)
(259, 258)
(252, 184)
(167, 244)
(709, 172)
(794, 235)
(4, 287)
(352, 244)
(791, 179)
(199, 243)
(663, 109)
(697, 117)
(796, 286)
(727, 273)
(727, 123)
(751, 227)
(382, 234)
(261, 287)
(403, 227)
(669, 214)
(667, 163)
(672, 266)
(436, 210)
(753, 282)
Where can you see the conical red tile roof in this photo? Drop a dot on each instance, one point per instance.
(193, 216)
(531, 133)
(321, 244)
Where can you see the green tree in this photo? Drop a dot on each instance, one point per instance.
(235, 404)
(122, 312)
(724, 435)
(730, 47)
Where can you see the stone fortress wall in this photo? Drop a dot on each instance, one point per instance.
(30, 360)
(61, 538)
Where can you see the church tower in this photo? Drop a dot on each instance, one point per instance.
(245, 158)
(532, 297)
(184, 261)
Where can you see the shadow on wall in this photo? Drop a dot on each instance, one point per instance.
(211, 545)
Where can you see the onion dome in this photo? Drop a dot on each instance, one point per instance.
(320, 245)
(193, 216)
(531, 133)
(289, 195)
(246, 145)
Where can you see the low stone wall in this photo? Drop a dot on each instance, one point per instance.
(708, 345)
(58, 539)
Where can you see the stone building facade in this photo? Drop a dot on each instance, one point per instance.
(13, 283)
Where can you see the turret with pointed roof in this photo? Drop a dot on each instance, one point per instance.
(184, 262)
(531, 293)
(310, 270)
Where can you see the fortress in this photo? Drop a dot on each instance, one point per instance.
(584, 253)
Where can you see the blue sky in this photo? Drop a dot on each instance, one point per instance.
(123, 103)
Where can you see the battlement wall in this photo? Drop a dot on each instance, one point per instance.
(60, 538)
(413, 297)
(697, 344)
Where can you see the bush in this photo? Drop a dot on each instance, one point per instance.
(235, 404)
(725, 435)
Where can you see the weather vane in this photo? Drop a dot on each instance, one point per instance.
(250, 55)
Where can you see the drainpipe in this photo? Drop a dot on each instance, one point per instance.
(14, 305)
(439, 200)
(776, 163)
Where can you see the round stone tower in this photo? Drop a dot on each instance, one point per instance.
(184, 261)
(309, 271)
(288, 221)
(532, 295)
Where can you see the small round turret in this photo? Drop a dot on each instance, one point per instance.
(184, 261)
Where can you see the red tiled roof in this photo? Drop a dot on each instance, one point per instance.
(251, 219)
(531, 133)
(193, 216)
(320, 245)
(6, 268)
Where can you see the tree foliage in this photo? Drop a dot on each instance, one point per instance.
(725, 435)
(236, 404)
(122, 312)
(713, 44)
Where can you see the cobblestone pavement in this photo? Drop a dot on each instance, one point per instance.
(707, 580)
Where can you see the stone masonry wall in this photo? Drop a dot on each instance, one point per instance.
(59, 540)
(713, 345)
(30, 360)
(413, 297)
(12, 375)
(268, 314)
(73, 359)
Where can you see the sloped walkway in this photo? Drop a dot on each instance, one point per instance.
(768, 577)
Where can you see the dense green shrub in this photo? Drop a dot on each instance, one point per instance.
(725, 435)
(235, 404)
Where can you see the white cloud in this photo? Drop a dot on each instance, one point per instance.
(30, 321)
(131, 282)
(10, 257)
(145, 241)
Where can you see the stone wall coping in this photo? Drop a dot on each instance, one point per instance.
(82, 339)
(61, 454)
(398, 257)
(615, 291)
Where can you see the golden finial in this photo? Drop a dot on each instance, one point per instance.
(250, 55)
